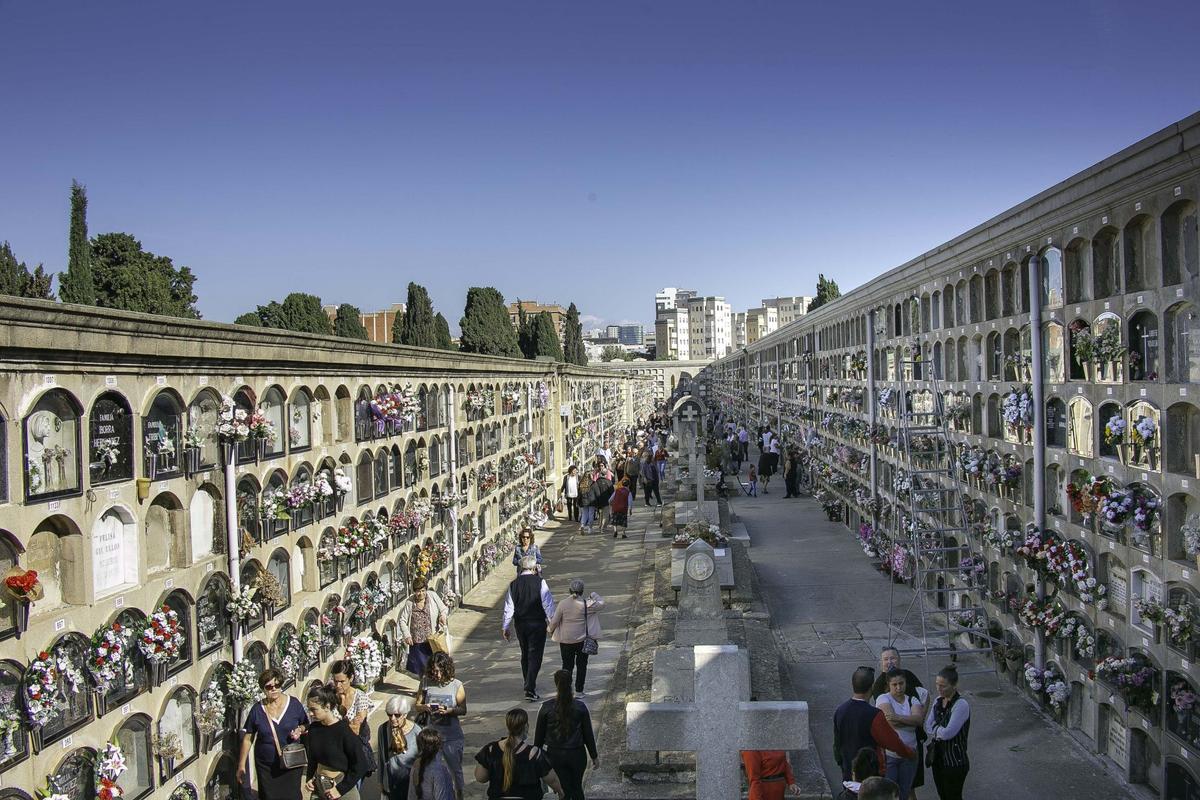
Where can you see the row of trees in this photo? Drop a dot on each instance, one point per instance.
(113, 270)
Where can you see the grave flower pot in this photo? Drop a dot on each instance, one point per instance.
(158, 673)
(191, 460)
(260, 449)
(152, 465)
(1152, 457)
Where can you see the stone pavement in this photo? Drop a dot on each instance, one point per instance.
(830, 610)
(490, 668)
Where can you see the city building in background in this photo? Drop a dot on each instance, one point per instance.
(377, 323)
(533, 308)
(709, 327)
(760, 322)
(738, 321)
(789, 309)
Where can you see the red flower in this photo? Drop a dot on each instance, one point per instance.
(44, 656)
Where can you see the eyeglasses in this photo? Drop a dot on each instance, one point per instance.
(398, 715)
(271, 686)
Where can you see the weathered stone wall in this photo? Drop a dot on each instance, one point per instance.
(115, 541)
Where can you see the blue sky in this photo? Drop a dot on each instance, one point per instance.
(561, 151)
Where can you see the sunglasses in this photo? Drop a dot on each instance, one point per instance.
(398, 715)
(271, 686)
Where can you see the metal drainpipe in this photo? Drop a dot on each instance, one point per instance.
(529, 434)
(871, 410)
(1039, 428)
(454, 488)
(233, 541)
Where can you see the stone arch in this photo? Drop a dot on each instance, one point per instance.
(1137, 252)
(1143, 346)
(364, 475)
(212, 613)
(52, 446)
(1106, 263)
(1180, 245)
(1181, 508)
(299, 419)
(344, 405)
(167, 536)
(380, 472)
(1008, 289)
(1107, 411)
(1052, 277)
(991, 292)
(1077, 258)
(1182, 327)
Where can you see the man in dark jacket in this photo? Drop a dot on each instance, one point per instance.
(858, 724)
(604, 492)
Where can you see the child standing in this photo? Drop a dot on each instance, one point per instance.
(753, 481)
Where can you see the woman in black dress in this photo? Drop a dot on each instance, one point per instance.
(334, 751)
(286, 715)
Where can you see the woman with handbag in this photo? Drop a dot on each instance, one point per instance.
(335, 753)
(274, 726)
(564, 729)
(576, 628)
(441, 702)
(422, 616)
(397, 746)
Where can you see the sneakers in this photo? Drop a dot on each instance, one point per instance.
(580, 693)
(532, 697)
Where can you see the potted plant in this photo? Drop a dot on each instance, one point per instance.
(24, 589)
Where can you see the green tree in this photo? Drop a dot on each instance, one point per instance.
(573, 350)
(348, 322)
(485, 324)
(127, 277)
(17, 280)
(545, 337)
(298, 312)
(418, 329)
(249, 318)
(524, 332)
(444, 341)
(827, 290)
(77, 285)
(612, 352)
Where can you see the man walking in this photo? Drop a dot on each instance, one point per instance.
(744, 444)
(650, 482)
(529, 607)
(633, 471)
(858, 724)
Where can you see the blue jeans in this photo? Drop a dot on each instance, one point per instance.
(587, 515)
(902, 771)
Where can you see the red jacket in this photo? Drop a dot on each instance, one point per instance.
(620, 500)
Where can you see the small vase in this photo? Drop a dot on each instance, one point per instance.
(1152, 457)
(1123, 453)
(152, 465)
(24, 606)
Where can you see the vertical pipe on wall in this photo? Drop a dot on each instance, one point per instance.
(450, 402)
(871, 410)
(1039, 427)
(232, 540)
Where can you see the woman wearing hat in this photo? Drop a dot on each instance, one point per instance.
(575, 619)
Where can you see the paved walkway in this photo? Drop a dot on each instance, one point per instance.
(490, 667)
(830, 608)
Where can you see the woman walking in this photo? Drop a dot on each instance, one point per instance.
(421, 616)
(431, 778)
(444, 698)
(570, 492)
(396, 746)
(525, 546)
(574, 620)
(512, 768)
(564, 729)
(587, 503)
(276, 721)
(335, 753)
(621, 504)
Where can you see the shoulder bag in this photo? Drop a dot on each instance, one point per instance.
(295, 755)
(590, 646)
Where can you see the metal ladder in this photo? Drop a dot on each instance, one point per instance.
(936, 507)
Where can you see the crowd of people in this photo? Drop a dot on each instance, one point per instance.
(730, 445)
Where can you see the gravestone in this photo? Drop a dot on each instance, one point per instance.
(701, 612)
(719, 721)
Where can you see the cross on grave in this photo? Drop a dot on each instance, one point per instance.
(719, 723)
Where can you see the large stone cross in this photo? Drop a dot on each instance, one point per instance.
(719, 723)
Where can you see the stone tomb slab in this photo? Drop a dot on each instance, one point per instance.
(693, 511)
(722, 560)
(674, 675)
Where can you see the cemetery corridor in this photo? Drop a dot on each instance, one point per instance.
(830, 609)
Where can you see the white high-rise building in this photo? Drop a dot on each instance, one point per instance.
(671, 332)
(710, 326)
(760, 322)
(738, 320)
(789, 309)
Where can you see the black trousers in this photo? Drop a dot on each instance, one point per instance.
(632, 485)
(573, 509)
(569, 766)
(532, 638)
(649, 487)
(949, 781)
(574, 659)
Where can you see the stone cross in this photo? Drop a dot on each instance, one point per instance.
(719, 723)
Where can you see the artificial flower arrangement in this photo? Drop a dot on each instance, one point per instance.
(1017, 409)
(23, 586)
(1087, 495)
(269, 590)
(1183, 699)
(243, 605)
(1115, 429)
(449, 598)
(110, 765)
(306, 495)
(886, 396)
(162, 637)
(868, 540)
(260, 427)
(971, 569)
(242, 685)
(1191, 535)
(1082, 641)
(1144, 432)
(1134, 680)
(1106, 346)
(310, 642)
(364, 653)
(1178, 622)
(109, 660)
(1082, 343)
(211, 714)
(858, 361)
(274, 505)
(900, 562)
(42, 699)
(1048, 615)
(167, 746)
(543, 395)
(287, 653)
(193, 438)
(232, 423)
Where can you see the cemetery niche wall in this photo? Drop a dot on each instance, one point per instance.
(366, 466)
(1117, 251)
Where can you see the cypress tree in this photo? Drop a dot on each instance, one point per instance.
(18, 281)
(444, 342)
(298, 312)
(348, 322)
(77, 285)
(485, 324)
(418, 329)
(249, 318)
(573, 350)
(524, 332)
(827, 290)
(545, 337)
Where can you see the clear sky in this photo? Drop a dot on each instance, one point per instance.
(561, 151)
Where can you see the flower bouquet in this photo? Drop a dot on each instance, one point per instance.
(269, 590)
(242, 605)
(1134, 680)
(109, 659)
(310, 642)
(210, 716)
(242, 686)
(1017, 409)
(1047, 615)
(43, 701)
(1082, 344)
(261, 428)
(22, 587)
(1183, 699)
(1115, 429)
(232, 426)
(162, 638)
(167, 746)
(110, 765)
(363, 652)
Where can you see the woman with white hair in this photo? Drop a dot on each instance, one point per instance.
(575, 620)
(396, 742)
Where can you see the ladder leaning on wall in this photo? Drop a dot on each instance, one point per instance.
(934, 524)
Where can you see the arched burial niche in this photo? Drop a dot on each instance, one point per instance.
(52, 440)
(110, 440)
(56, 550)
(167, 541)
